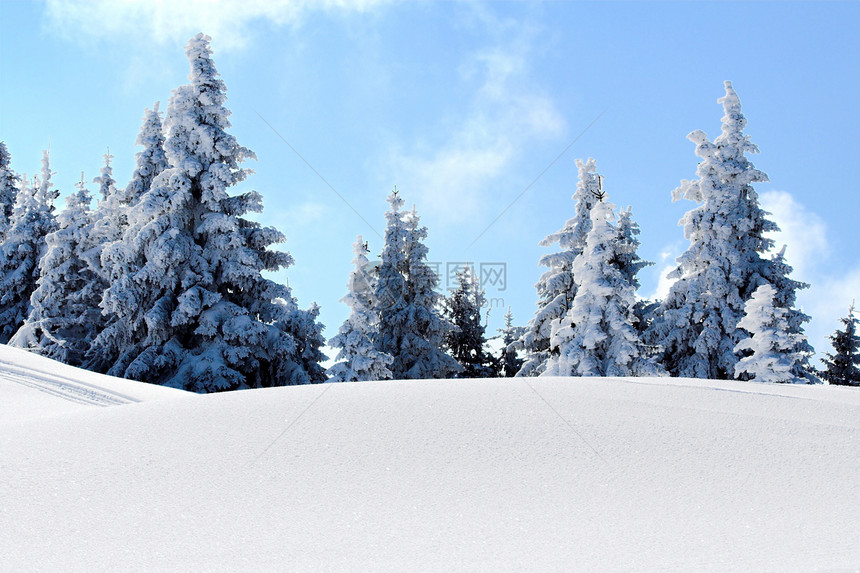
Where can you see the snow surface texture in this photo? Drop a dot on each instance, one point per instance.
(522, 474)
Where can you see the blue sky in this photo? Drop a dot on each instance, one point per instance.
(462, 106)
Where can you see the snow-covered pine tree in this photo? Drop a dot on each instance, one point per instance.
(32, 220)
(110, 256)
(843, 366)
(509, 362)
(466, 340)
(770, 347)
(697, 322)
(64, 314)
(556, 288)
(777, 274)
(9, 183)
(358, 359)
(422, 352)
(630, 263)
(198, 313)
(597, 336)
(390, 290)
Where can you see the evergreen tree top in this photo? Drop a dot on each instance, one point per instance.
(105, 180)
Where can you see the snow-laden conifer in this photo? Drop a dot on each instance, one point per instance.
(9, 184)
(770, 349)
(110, 256)
(597, 336)
(358, 359)
(777, 274)
(32, 220)
(422, 352)
(697, 323)
(509, 362)
(466, 340)
(198, 314)
(556, 288)
(390, 288)
(64, 315)
(842, 367)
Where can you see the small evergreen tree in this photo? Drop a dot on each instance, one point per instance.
(843, 366)
(358, 359)
(771, 346)
(509, 362)
(785, 298)
(9, 183)
(696, 325)
(32, 220)
(64, 314)
(556, 288)
(597, 336)
(466, 341)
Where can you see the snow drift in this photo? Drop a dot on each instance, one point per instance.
(550, 474)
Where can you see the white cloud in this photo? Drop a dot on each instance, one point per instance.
(166, 21)
(805, 234)
(505, 114)
(664, 283)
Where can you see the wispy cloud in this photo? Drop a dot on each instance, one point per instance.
(164, 22)
(506, 113)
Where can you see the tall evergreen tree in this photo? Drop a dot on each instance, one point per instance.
(772, 357)
(509, 362)
(422, 352)
(411, 329)
(358, 359)
(32, 220)
(843, 366)
(556, 288)
(9, 184)
(390, 289)
(466, 340)
(64, 315)
(597, 337)
(198, 313)
(697, 323)
(112, 258)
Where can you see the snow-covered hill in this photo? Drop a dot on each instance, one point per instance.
(557, 474)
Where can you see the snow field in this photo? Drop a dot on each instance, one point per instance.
(549, 474)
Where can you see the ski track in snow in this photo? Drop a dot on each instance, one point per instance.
(63, 387)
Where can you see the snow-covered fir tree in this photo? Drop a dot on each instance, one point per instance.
(697, 324)
(358, 359)
(843, 366)
(597, 336)
(769, 353)
(198, 314)
(9, 184)
(422, 352)
(630, 263)
(109, 255)
(466, 341)
(64, 315)
(411, 329)
(777, 274)
(32, 220)
(390, 289)
(509, 362)
(556, 288)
